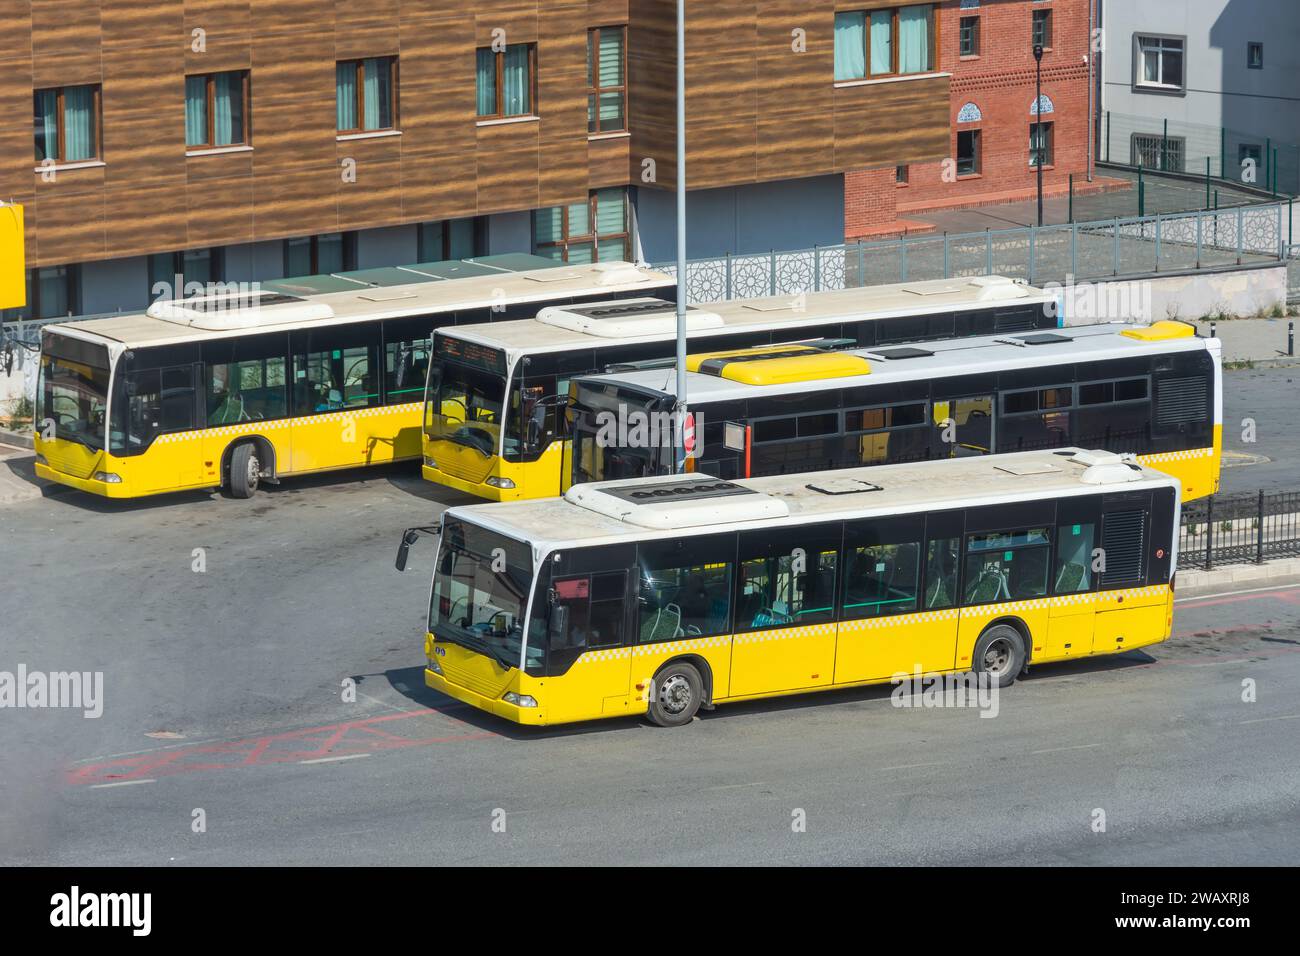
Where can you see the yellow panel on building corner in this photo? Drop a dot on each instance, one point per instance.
(1160, 331)
(13, 265)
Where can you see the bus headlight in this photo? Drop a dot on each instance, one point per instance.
(108, 477)
(499, 482)
(435, 666)
(519, 700)
(429, 462)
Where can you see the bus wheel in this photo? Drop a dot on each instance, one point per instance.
(245, 471)
(1000, 653)
(678, 693)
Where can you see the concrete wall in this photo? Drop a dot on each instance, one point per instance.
(1240, 292)
(786, 215)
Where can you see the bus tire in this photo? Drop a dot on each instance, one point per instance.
(1000, 653)
(678, 694)
(245, 471)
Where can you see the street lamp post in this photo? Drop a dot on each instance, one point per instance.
(679, 453)
(1038, 124)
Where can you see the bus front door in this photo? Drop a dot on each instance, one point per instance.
(964, 426)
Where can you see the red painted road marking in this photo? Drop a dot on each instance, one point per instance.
(354, 736)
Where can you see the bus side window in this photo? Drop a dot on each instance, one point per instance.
(943, 534)
(881, 567)
(1072, 573)
(595, 603)
(685, 588)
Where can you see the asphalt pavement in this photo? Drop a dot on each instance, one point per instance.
(229, 634)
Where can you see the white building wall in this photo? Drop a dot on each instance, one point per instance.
(1220, 91)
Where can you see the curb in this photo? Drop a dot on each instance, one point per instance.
(1270, 572)
(16, 439)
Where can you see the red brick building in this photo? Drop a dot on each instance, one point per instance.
(987, 48)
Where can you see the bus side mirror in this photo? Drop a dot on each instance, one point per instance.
(558, 628)
(409, 537)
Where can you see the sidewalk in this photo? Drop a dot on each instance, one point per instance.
(18, 481)
(1258, 341)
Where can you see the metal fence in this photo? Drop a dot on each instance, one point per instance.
(1129, 247)
(1225, 154)
(1239, 529)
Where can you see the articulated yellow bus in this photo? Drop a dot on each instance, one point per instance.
(494, 422)
(301, 375)
(1152, 391)
(660, 596)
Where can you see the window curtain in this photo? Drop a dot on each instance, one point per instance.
(882, 42)
(78, 123)
(47, 124)
(611, 74)
(378, 93)
(516, 81)
(611, 219)
(486, 83)
(914, 39)
(196, 111)
(460, 239)
(227, 109)
(850, 46)
(548, 226)
(345, 85)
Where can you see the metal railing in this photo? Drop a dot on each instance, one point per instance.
(1129, 247)
(1230, 156)
(1239, 529)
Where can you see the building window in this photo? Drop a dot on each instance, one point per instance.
(591, 231)
(1254, 56)
(901, 175)
(506, 82)
(171, 272)
(970, 36)
(1160, 63)
(606, 79)
(968, 152)
(1040, 144)
(320, 255)
(890, 42)
(366, 94)
(67, 124)
(1153, 151)
(452, 239)
(52, 292)
(1041, 32)
(216, 110)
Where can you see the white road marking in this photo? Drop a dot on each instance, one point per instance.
(1206, 597)
(911, 766)
(121, 783)
(334, 759)
(1261, 720)
(1057, 750)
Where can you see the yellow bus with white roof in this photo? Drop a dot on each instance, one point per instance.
(296, 376)
(661, 596)
(1153, 391)
(495, 425)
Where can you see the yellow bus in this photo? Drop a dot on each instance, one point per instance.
(494, 423)
(663, 595)
(302, 375)
(1154, 391)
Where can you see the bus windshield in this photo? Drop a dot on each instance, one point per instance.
(465, 394)
(480, 589)
(74, 389)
